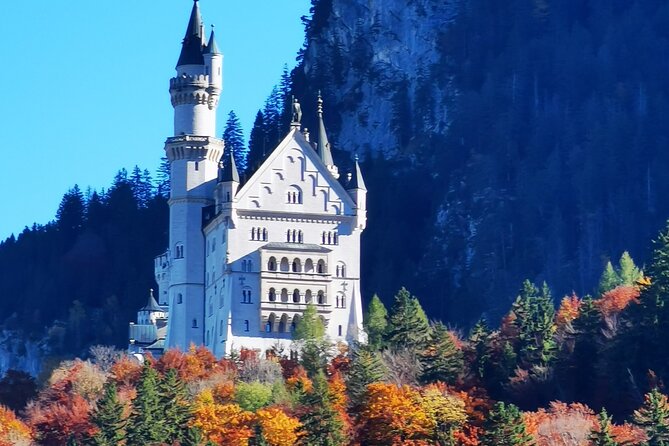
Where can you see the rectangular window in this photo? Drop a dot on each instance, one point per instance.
(197, 165)
(340, 330)
(246, 325)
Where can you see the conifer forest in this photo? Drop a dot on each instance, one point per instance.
(515, 261)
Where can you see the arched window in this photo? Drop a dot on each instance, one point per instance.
(249, 265)
(253, 233)
(296, 296)
(179, 251)
(300, 237)
(284, 295)
(337, 302)
(340, 331)
(284, 265)
(342, 301)
(334, 238)
(268, 327)
(272, 295)
(320, 298)
(294, 195)
(341, 269)
(320, 269)
(246, 325)
(180, 298)
(264, 234)
(297, 266)
(309, 266)
(307, 296)
(271, 264)
(324, 237)
(246, 296)
(282, 323)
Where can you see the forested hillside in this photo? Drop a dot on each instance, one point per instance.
(516, 139)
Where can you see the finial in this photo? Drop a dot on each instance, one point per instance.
(320, 103)
(151, 289)
(297, 112)
(356, 157)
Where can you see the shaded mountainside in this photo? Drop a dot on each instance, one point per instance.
(502, 140)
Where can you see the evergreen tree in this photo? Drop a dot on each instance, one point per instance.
(108, 417)
(322, 425)
(310, 332)
(653, 418)
(71, 213)
(408, 323)
(505, 427)
(534, 319)
(175, 407)
(376, 323)
(233, 137)
(585, 355)
(609, 280)
(272, 118)
(629, 273)
(193, 437)
(285, 90)
(443, 360)
(145, 424)
(602, 435)
(258, 143)
(479, 339)
(366, 368)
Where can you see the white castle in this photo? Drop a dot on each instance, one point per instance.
(245, 259)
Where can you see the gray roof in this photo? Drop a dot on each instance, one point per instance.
(357, 181)
(323, 142)
(229, 170)
(152, 305)
(304, 247)
(191, 50)
(212, 46)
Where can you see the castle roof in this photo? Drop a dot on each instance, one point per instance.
(191, 50)
(357, 182)
(152, 305)
(323, 142)
(212, 46)
(229, 170)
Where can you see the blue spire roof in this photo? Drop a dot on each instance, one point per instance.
(212, 46)
(191, 50)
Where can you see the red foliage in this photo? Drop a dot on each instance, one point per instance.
(197, 364)
(126, 371)
(570, 308)
(614, 301)
(561, 424)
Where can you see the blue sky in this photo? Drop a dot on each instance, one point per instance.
(85, 87)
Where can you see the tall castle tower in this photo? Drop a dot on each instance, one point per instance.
(194, 154)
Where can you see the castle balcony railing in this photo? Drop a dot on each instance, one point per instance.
(291, 307)
(162, 262)
(299, 276)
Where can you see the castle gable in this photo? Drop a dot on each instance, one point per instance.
(294, 179)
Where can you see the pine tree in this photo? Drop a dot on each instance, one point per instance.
(258, 143)
(408, 323)
(443, 360)
(479, 339)
(376, 323)
(175, 407)
(629, 273)
(653, 418)
(285, 90)
(602, 435)
(310, 332)
(322, 425)
(505, 427)
(193, 437)
(108, 417)
(163, 177)
(71, 213)
(366, 367)
(609, 280)
(233, 136)
(535, 321)
(272, 117)
(145, 424)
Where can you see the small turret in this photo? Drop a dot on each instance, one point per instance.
(213, 61)
(358, 191)
(323, 144)
(228, 182)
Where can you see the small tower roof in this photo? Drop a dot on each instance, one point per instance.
(152, 305)
(323, 143)
(229, 170)
(357, 182)
(212, 46)
(191, 50)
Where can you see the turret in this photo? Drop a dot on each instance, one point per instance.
(358, 191)
(213, 62)
(228, 182)
(323, 144)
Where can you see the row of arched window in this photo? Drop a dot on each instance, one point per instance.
(297, 297)
(179, 251)
(296, 266)
(294, 196)
(330, 238)
(294, 236)
(259, 234)
(275, 324)
(247, 266)
(246, 296)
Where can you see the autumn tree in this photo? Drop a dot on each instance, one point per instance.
(376, 322)
(653, 418)
(505, 427)
(602, 434)
(12, 430)
(108, 417)
(443, 359)
(277, 428)
(223, 424)
(321, 422)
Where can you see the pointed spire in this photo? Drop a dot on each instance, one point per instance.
(152, 305)
(323, 143)
(191, 51)
(212, 46)
(229, 171)
(357, 182)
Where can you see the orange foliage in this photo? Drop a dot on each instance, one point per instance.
(299, 379)
(562, 424)
(223, 392)
(393, 416)
(614, 301)
(289, 367)
(12, 430)
(56, 422)
(223, 424)
(198, 363)
(628, 434)
(278, 428)
(126, 371)
(570, 308)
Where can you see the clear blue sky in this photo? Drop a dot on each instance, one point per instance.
(85, 87)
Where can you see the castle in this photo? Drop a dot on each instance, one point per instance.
(245, 259)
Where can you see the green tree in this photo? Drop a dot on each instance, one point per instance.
(193, 437)
(108, 417)
(176, 410)
(310, 334)
(253, 396)
(366, 368)
(258, 143)
(145, 424)
(610, 279)
(408, 323)
(629, 273)
(653, 418)
(442, 360)
(505, 427)
(233, 136)
(535, 321)
(376, 322)
(601, 435)
(322, 425)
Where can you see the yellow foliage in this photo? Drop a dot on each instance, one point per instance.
(12, 430)
(278, 428)
(223, 424)
(443, 409)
